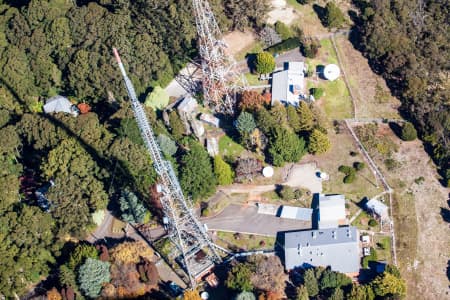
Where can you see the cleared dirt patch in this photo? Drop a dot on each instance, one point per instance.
(372, 96)
(238, 41)
(281, 12)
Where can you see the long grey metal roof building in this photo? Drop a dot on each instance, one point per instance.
(334, 247)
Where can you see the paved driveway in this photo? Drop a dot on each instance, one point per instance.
(245, 219)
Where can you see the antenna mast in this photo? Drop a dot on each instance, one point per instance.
(183, 228)
(220, 79)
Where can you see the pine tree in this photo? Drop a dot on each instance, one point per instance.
(293, 118)
(302, 293)
(223, 171)
(285, 146)
(133, 211)
(306, 117)
(265, 63)
(318, 142)
(176, 125)
(92, 275)
(196, 177)
(245, 123)
(311, 283)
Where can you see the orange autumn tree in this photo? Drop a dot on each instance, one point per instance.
(191, 295)
(251, 100)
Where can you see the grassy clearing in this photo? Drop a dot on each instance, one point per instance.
(273, 197)
(253, 79)
(372, 96)
(336, 100)
(383, 247)
(244, 242)
(255, 47)
(229, 148)
(342, 144)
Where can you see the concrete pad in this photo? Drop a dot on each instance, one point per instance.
(305, 176)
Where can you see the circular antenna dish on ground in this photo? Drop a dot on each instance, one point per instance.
(204, 295)
(331, 72)
(323, 175)
(267, 172)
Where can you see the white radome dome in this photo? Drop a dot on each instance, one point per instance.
(331, 72)
(267, 172)
(204, 295)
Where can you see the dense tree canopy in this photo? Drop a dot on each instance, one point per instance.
(408, 44)
(92, 275)
(265, 63)
(196, 177)
(285, 146)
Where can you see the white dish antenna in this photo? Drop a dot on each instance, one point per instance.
(331, 72)
(267, 172)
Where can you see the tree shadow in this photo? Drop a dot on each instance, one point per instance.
(321, 13)
(251, 61)
(397, 129)
(445, 213)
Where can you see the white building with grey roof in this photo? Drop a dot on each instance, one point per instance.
(333, 247)
(288, 86)
(331, 211)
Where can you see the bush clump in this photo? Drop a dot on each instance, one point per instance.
(286, 45)
(359, 165)
(408, 132)
(373, 223)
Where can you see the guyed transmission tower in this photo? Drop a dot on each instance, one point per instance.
(221, 80)
(197, 253)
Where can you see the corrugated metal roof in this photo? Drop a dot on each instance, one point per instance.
(377, 206)
(297, 213)
(331, 208)
(334, 247)
(283, 83)
(58, 104)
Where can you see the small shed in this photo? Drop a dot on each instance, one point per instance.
(210, 119)
(296, 213)
(58, 104)
(378, 208)
(331, 211)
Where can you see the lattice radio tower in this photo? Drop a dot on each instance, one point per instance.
(220, 79)
(197, 252)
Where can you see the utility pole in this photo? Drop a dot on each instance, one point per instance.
(220, 79)
(197, 252)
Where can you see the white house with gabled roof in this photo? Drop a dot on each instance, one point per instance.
(288, 86)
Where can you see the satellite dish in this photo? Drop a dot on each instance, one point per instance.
(267, 172)
(331, 72)
(204, 295)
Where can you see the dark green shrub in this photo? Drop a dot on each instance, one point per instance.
(390, 164)
(350, 177)
(359, 165)
(310, 47)
(373, 223)
(334, 18)
(283, 30)
(286, 45)
(286, 192)
(408, 133)
(317, 92)
(345, 169)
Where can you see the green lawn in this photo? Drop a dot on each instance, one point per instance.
(256, 47)
(337, 101)
(328, 50)
(252, 79)
(383, 247)
(229, 148)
